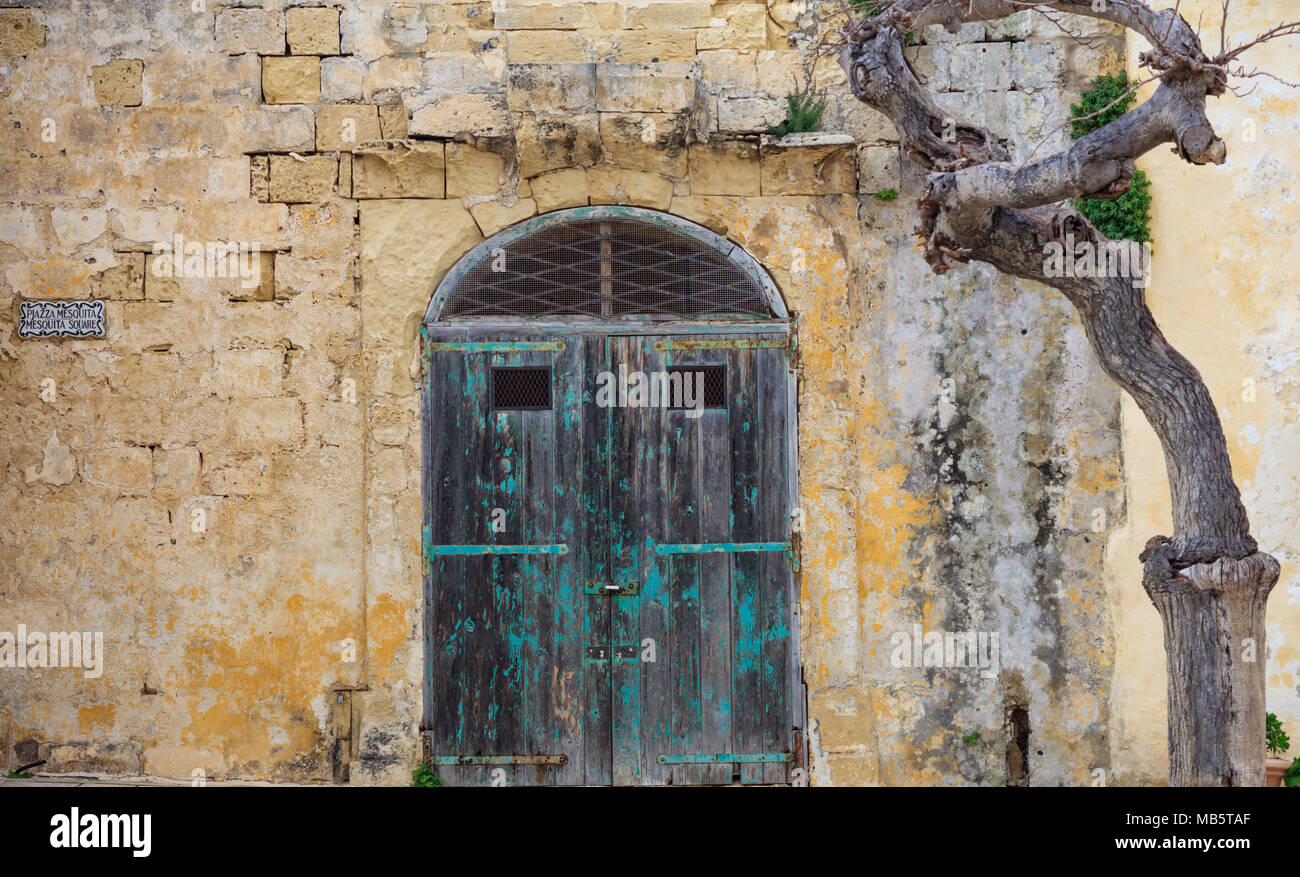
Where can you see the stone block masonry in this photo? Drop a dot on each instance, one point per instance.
(246, 462)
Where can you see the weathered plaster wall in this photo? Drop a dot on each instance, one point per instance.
(983, 437)
(955, 436)
(1223, 290)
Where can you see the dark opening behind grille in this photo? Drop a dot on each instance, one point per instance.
(607, 268)
(521, 388)
(715, 383)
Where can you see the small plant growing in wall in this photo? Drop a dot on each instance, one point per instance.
(22, 772)
(886, 195)
(424, 777)
(803, 113)
(972, 738)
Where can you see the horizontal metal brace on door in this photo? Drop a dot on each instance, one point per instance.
(430, 550)
(720, 343)
(560, 548)
(718, 547)
(612, 589)
(493, 346)
(553, 760)
(728, 548)
(728, 758)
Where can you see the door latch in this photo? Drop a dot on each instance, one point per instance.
(620, 653)
(601, 587)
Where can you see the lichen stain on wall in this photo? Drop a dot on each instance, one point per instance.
(948, 532)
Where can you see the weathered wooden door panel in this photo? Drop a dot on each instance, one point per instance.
(693, 494)
(596, 670)
(659, 643)
(503, 630)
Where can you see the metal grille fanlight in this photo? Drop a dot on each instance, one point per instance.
(607, 268)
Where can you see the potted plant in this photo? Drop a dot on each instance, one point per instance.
(1276, 742)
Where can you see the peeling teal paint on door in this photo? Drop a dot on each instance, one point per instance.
(631, 624)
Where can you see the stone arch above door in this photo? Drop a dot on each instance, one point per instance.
(410, 246)
(607, 262)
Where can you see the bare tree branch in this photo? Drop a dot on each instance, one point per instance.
(975, 196)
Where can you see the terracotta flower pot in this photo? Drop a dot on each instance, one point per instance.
(1274, 768)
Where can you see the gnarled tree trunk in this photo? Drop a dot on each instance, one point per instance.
(1208, 581)
(1213, 616)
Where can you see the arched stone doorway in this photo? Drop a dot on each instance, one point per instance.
(609, 428)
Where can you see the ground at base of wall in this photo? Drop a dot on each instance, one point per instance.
(87, 780)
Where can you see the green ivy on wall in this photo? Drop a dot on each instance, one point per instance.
(1129, 215)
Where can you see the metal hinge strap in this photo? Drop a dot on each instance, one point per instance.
(558, 548)
(716, 547)
(728, 758)
(552, 760)
(719, 343)
(493, 346)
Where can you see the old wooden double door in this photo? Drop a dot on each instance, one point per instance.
(608, 592)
